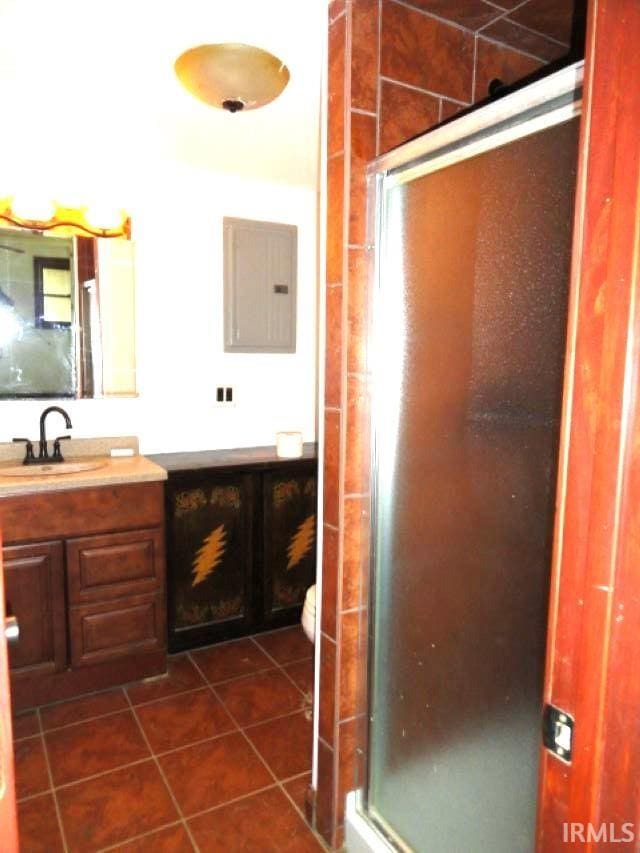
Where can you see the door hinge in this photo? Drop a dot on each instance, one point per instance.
(557, 732)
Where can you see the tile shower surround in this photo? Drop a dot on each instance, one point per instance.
(396, 69)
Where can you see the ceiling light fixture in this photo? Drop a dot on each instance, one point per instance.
(231, 76)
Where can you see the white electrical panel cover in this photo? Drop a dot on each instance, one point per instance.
(260, 277)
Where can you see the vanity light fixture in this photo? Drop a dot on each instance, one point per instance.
(67, 220)
(231, 76)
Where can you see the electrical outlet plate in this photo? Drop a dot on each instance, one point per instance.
(224, 396)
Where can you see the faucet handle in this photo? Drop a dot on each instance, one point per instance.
(29, 457)
(57, 454)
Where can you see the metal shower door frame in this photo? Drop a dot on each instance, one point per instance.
(550, 101)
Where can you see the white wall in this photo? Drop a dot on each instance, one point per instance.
(177, 228)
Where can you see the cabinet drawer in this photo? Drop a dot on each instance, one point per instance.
(103, 632)
(115, 565)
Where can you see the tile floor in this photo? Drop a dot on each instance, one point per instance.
(215, 756)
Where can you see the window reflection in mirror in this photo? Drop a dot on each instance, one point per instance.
(67, 316)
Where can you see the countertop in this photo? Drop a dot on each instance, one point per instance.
(257, 457)
(114, 471)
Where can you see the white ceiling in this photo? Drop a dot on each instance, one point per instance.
(88, 92)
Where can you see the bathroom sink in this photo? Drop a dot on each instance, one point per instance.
(51, 470)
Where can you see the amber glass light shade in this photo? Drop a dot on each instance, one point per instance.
(65, 221)
(232, 76)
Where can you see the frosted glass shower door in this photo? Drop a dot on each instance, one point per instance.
(472, 310)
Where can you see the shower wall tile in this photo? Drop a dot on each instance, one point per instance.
(364, 61)
(349, 677)
(404, 113)
(333, 345)
(335, 218)
(495, 61)
(335, 86)
(450, 109)
(336, 8)
(331, 466)
(471, 14)
(325, 794)
(554, 18)
(357, 312)
(426, 52)
(355, 550)
(363, 150)
(330, 546)
(358, 450)
(347, 741)
(507, 4)
(389, 80)
(513, 35)
(327, 691)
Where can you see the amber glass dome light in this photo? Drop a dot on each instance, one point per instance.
(232, 76)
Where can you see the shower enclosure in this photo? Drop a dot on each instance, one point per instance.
(472, 244)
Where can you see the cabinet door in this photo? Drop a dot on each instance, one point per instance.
(209, 557)
(289, 539)
(34, 580)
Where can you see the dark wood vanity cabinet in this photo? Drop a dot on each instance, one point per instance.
(241, 535)
(91, 603)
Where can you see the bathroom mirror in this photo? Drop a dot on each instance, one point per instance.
(67, 316)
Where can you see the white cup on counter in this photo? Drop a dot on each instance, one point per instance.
(289, 445)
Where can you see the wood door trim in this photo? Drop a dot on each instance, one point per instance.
(596, 561)
(8, 812)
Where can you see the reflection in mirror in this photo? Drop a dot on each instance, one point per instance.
(67, 316)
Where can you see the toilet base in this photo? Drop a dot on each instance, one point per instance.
(308, 619)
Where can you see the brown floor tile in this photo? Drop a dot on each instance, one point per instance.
(181, 675)
(179, 720)
(256, 698)
(229, 660)
(214, 772)
(99, 812)
(302, 673)
(266, 822)
(83, 708)
(174, 839)
(31, 767)
(94, 747)
(25, 725)
(287, 645)
(297, 790)
(285, 744)
(38, 826)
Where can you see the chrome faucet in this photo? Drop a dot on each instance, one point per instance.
(44, 450)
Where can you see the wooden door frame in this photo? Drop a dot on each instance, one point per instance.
(594, 631)
(8, 816)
